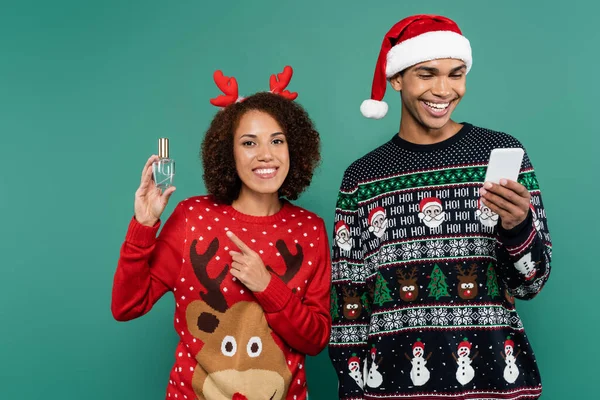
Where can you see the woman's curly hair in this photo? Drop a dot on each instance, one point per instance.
(220, 175)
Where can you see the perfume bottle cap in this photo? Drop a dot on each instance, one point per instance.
(163, 148)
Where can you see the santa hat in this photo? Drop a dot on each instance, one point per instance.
(374, 213)
(340, 225)
(419, 344)
(465, 343)
(509, 342)
(429, 201)
(412, 41)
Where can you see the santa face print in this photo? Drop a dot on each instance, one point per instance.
(536, 221)
(487, 216)
(433, 215)
(379, 225)
(526, 267)
(261, 154)
(343, 239)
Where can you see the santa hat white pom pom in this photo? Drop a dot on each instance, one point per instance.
(374, 109)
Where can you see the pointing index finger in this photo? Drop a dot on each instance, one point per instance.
(238, 242)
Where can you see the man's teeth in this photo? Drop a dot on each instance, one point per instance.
(439, 106)
(265, 171)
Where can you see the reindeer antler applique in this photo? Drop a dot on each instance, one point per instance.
(279, 82)
(229, 87)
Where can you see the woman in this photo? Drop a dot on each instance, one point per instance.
(249, 270)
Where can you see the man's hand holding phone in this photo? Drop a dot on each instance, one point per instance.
(509, 199)
(501, 192)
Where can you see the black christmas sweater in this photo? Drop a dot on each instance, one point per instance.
(424, 277)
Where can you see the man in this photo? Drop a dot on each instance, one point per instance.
(456, 242)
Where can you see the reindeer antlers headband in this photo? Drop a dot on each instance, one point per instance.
(229, 87)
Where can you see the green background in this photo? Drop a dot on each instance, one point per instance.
(87, 87)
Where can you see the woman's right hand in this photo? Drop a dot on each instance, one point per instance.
(149, 201)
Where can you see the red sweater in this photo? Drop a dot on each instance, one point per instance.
(234, 344)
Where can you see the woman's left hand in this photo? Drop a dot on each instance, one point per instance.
(248, 267)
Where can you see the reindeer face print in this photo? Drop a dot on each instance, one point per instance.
(409, 290)
(352, 305)
(467, 282)
(234, 356)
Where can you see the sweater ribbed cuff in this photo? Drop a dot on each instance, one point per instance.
(275, 297)
(518, 234)
(519, 239)
(141, 235)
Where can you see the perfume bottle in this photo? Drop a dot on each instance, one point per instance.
(164, 168)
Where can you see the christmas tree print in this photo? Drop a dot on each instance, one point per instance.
(438, 286)
(382, 292)
(334, 304)
(492, 282)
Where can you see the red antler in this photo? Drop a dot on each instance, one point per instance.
(279, 83)
(228, 86)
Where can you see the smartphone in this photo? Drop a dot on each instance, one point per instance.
(504, 164)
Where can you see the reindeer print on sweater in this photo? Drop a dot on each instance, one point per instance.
(230, 337)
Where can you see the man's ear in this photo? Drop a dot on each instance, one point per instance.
(396, 82)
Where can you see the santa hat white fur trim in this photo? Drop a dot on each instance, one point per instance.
(426, 47)
(374, 109)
